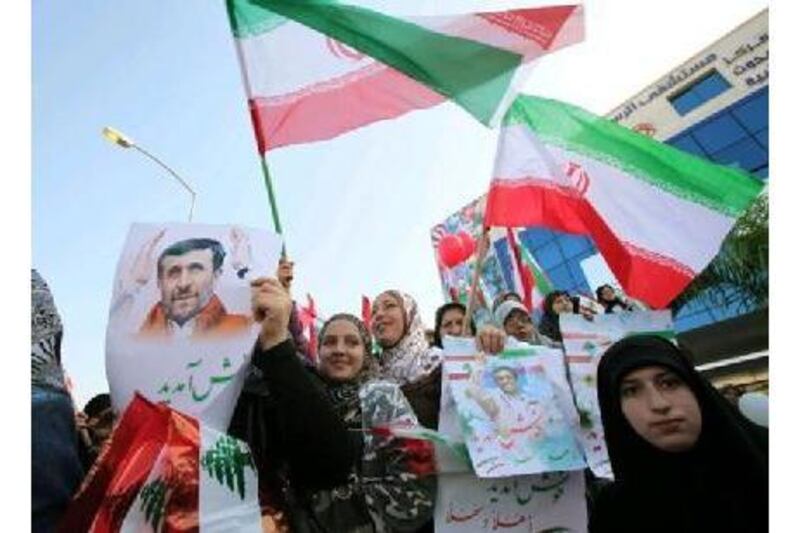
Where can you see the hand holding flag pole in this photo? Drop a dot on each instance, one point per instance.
(120, 139)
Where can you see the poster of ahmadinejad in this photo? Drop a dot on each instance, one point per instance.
(180, 327)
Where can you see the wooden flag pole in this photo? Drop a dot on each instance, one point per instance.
(483, 247)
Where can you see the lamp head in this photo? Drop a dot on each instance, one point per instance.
(117, 137)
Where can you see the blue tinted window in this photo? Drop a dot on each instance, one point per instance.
(561, 277)
(573, 245)
(753, 113)
(746, 153)
(549, 255)
(763, 138)
(687, 144)
(700, 92)
(715, 134)
(535, 237)
(686, 102)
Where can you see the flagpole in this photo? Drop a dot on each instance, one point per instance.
(273, 204)
(483, 247)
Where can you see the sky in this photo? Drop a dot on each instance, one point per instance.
(357, 210)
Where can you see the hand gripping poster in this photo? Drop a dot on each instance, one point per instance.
(180, 329)
(585, 341)
(514, 410)
(549, 501)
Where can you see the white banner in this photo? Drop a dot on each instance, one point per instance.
(514, 409)
(180, 328)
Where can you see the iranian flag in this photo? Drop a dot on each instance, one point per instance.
(657, 214)
(314, 69)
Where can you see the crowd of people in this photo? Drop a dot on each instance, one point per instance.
(684, 459)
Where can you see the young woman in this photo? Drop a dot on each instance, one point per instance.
(408, 359)
(683, 458)
(611, 302)
(392, 486)
(555, 303)
(450, 321)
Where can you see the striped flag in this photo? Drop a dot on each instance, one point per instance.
(165, 471)
(657, 214)
(314, 69)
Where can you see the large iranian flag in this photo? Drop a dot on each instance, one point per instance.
(314, 69)
(657, 214)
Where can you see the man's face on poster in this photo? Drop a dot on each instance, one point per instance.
(506, 380)
(187, 283)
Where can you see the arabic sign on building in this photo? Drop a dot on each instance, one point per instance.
(741, 58)
(180, 328)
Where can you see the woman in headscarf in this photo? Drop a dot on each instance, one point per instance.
(392, 486)
(450, 321)
(408, 359)
(555, 303)
(611, 301)
(683, 458)
(297, 439)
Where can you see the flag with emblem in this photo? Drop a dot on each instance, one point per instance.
(657, 214)
(314, 69)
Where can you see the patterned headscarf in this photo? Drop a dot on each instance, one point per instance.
(46, 332)
(344, 394)
(411, 358)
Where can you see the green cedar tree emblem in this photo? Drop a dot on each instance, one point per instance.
(226, 461)
(153, 502)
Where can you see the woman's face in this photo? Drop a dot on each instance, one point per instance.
(519, 325)
(661, 408)
(607, 294)
(452, 322)
(341, 351)
(562, 304)
(388, 320)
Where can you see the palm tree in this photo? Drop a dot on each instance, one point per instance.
(739, 275)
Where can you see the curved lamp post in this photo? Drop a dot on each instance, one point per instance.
(120, 139)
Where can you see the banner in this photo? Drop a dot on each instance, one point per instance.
(585, 341)
(520, 504)
(514, 409)
(180, 329)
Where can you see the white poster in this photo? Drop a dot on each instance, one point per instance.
(180, 328)
(521, 504)
(585, 341)
(514, 409)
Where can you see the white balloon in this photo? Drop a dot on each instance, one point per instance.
(755, 406)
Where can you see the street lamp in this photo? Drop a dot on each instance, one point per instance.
(120, 139)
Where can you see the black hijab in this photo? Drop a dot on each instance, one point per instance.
(721, 484)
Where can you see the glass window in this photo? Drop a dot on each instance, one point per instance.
(763, 138)
(686, 143)
(535, 237)
(549, 255)
(561, 278)
(573, 245)
(753, 112)
(700, 92)
(746, 153)
(718, 132)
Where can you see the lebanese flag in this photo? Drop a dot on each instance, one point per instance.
(165, 471)
(316, 69)
(657, 214)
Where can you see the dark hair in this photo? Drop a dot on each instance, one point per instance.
(511, 369)
(551, 297)
(97, 405)
(437, 337)
(190, 245)
(599, 292)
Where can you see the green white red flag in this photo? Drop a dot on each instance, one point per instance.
(657, 214)
(314, 69)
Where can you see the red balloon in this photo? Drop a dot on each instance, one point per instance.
(468, 243)
(451, 251)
